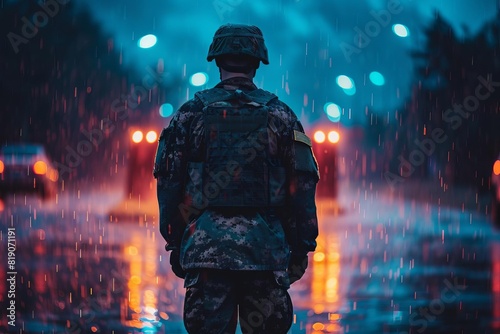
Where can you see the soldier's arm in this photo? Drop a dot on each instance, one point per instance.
(303, 177)
(301, 223)
(303, 186)
(168, 170)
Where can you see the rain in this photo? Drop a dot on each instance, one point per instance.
(400, 99)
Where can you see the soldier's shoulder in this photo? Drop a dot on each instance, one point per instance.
(282, 110)
(193, 104)
(187, 110)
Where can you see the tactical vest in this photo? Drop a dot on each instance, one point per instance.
(237, 170)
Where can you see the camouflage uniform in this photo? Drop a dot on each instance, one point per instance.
(236, 256)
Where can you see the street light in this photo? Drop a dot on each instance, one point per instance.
(198, 79)
(333, 112)
(166, 110)
(147, 41)
(377, 78)
(347, 84)
(401, 30)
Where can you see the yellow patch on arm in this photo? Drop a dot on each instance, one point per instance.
(302, 137)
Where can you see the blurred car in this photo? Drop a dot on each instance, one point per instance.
(139, 198)
(27, 168)
(325, 147)
(142, 151)
(495, 180)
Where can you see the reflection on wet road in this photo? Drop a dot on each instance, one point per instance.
(385, 263)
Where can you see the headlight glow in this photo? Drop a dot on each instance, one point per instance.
(319, 137)
(137, 136)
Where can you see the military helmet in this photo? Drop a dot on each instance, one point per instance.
(238, 39)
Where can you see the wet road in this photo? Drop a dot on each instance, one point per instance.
(410, 260)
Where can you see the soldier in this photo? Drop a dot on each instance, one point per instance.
(236, 186)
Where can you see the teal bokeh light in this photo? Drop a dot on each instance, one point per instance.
(377, 78)
(401, 30)
(350, 91)
(345, 82)
(333, 112)
(147, 41)
(166, 110)
(198, 79)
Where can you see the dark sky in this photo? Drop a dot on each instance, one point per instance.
(307, 42)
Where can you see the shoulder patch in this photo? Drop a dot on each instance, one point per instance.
(302, 137)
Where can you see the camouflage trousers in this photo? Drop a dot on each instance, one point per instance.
(215, 299)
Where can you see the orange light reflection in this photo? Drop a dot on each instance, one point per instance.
(142, 296)
(325, 275)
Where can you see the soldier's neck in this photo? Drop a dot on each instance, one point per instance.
(224, 75)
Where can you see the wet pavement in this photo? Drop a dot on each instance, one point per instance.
(415, 259)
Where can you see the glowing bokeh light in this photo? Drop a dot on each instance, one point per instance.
(401, 30)
(166, 110)
(333, 137)
(319, 137)
(345, 82)
(496, 167)
(333, 112)
(147, 41)
(53, 175)
(377, 78)
(137, 136)
(350, 91)
(40, 168)
(151, 136)
(198, 79)
(319, 257)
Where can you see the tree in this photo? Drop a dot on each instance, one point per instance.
(60, 78)
(448, 72)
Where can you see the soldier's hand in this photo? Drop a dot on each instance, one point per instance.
(176, 265)
(297, 267)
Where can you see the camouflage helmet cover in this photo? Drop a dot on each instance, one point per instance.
(238, 39)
